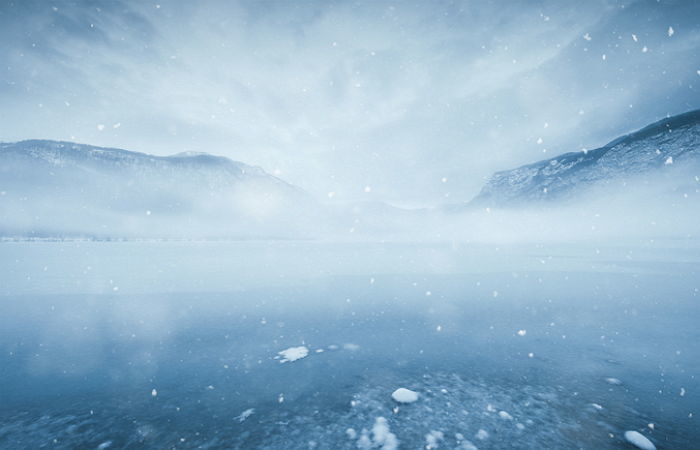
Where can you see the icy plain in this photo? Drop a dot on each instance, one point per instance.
(174, 344)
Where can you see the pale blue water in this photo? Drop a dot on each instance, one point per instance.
(88, 330)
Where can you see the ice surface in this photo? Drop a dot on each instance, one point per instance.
(556, 420)
(62, 384)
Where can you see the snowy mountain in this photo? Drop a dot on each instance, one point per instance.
(50, 188)
(660, 147)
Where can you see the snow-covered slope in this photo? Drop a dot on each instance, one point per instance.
(664, 145)
(50, 188)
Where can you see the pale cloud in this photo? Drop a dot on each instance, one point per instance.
(340, 95)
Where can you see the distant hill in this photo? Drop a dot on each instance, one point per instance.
(50, 188)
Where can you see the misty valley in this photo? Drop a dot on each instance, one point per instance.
(195, 302)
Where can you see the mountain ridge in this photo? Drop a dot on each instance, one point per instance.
(42, 148)
(661, 143)
(57, 187)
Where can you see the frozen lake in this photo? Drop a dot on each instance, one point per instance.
(176, 345)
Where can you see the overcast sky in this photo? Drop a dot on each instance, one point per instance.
(418, 100)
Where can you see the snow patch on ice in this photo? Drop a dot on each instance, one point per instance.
(382, 437)
(482, 435)
(403, 395)
(639, 440)
(505, 416)
(463, 443)
(244, 415)
(433, 438)
(293, 353)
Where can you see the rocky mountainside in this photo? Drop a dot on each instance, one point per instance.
(660, 146)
